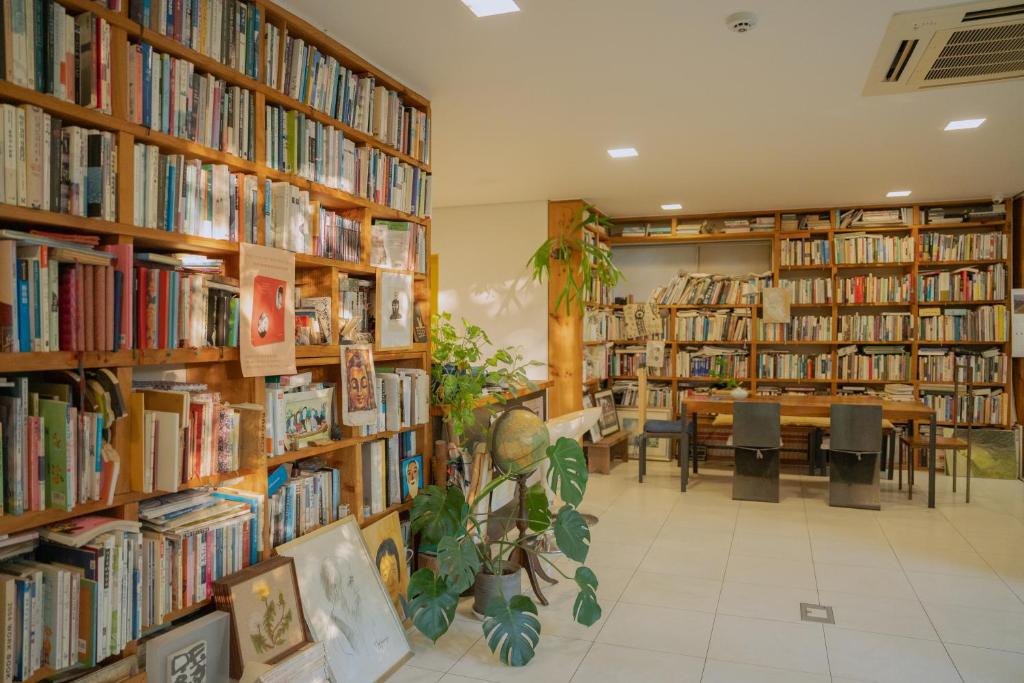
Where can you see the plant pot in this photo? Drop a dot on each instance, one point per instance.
(508, 584)
(739, 393)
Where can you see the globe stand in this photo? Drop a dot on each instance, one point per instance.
(528, 560)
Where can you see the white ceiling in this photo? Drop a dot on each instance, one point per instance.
(525, 105)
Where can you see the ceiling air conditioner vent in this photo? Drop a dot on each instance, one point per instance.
(954, 45)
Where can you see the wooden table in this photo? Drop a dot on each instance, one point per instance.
(820, 406)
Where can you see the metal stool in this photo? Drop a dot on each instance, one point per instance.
(757, 439)
(855, 448)
(677, 432)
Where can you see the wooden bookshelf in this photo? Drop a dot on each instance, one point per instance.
(316, 275)
(564, 329)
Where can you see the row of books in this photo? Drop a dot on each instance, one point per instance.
(937, 246)
(385, 180)
(808, 290)
(603, 325)
(881, 327)
(168, 95)
(861, 218)
(356, 306)
(50, 166)
(800, 328)
(337, 237)
(403, 400)
(963, 284)
(996, 211)
(186, 431)
(873, 289)
(392, 472)
(807, 221)
(176, 307)
(627, 394)
(804, 252)
(985, 323)
(862, 248)
(399, 245)
(226, 30)
(310, 149)
(713, 325)
(788, 365)
(54, 440)
(176, 194)
(650, 230)
(709, 361)
(977, 406)
(299, 413)
(302, 500)
(305, 73)
(313, 321)
(702, 288)
(194, 538)
(295, 223)
(629, 359)
(872, 363)
(51, 51)
(939, 365)
(598, 293)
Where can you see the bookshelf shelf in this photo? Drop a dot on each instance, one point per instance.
(962, 226)
(969, 262)
(313, 451)
(888, 264)
(30, 520)
(402, 507)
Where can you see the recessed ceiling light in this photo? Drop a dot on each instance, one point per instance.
(489, 8)
(964, 124)
(898, 193)
(623, 152)
(671, 207)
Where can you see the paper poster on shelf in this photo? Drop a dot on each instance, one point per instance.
(1017, 324)
(267, 337)
(359, 400)
(776, 304)
(394, 310)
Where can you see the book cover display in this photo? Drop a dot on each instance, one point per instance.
(267, 344)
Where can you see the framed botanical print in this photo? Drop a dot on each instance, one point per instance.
(195, 652)
(267, 623)
(609, 420)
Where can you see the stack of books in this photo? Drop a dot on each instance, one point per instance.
(936, 246)
(985, 323)
(169, 96)
(49, 50)
(874, 363)
(890, 326)
(963, 284)
(805, 252)
(176, 194)
(861, 218)
(704, 289)
(226, 30)
(810, 290)
(855, 248)
(54, 167)
(874, 289)
(996, 211)
(302, 500)
(937, 364)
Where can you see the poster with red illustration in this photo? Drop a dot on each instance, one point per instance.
(267, 339)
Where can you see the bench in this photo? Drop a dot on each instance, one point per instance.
(602, 454)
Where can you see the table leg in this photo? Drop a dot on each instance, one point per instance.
(694, 443)
(931, 460)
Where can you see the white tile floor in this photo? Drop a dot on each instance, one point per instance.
(698, 587)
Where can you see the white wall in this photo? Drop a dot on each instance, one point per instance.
(647, 267)
(482, 276)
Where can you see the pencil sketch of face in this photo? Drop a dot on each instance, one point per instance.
(345, 602)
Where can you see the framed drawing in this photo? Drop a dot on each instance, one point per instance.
(346, 605)
(196, 652)
(595, 431)
(395, 310)
(657, 449)
(384, 541)
(266, 615)
(308, 417)
(359, 398)
(609, 420)
(412, 476)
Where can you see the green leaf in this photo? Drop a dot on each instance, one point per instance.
(512, 629)
(538, 513)
(586, 610)
(458, 561)
(568, 471)
(431, 604)
(437, 513)
(572, 534)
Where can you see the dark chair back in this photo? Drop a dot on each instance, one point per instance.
(856, 428)
(756, 424)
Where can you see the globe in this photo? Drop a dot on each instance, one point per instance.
(518, 440)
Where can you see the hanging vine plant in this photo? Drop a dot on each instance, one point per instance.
(594, 262)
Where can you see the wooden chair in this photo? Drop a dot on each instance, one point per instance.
(674, 430)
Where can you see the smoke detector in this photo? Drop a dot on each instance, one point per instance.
(741, 22)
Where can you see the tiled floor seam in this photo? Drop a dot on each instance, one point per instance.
(714, 619)
(814, 569)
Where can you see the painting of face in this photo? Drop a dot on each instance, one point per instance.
(360, 390)
(412, 476)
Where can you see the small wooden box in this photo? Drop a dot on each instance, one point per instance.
(602, 454)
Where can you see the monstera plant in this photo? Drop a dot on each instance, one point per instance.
(458, 527)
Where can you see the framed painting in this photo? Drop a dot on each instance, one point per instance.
(359, 400)
(395, 310)
(609, 420)
(345, 603)
(411, 476)
(196, 652)
(266, 615)
(595, 431)
(657, 449)
(384, 541)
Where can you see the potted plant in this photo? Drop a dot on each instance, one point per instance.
(594, 262)
(462, 369)
(736, 390)
(468, 557)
